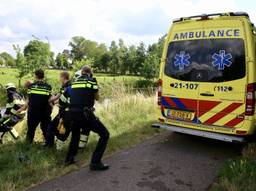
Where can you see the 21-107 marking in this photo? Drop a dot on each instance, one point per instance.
(189, 86)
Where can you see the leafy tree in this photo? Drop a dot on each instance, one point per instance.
(37, 54)
(62, 61)
(100, 56)
(131, 59)
(140, 58)
(6, 59)
(22, 67)
(79, 64)
(76, 45)
(122, 57)
(151, 66)
(113, 57)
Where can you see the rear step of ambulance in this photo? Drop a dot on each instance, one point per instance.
(211, 135)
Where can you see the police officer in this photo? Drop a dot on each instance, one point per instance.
(84, 93)
(10, 117)
(39, 109)
(54, 127)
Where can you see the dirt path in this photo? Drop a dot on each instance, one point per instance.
(167, 162)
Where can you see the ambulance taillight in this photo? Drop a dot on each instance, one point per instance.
(159, 91)
(250, 99)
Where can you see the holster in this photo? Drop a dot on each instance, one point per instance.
(89, 113)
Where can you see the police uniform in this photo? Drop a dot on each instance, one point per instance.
(82, 115)
(39, 110)
(53, 128)
(10, 117)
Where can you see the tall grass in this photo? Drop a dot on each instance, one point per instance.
(128, 117)
(239, 174)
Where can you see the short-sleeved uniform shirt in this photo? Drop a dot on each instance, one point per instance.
(38, 96)
(83, 93)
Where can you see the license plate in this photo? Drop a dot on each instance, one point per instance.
(181, 115)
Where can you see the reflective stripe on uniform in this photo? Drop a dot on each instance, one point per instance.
(6, 121)
(95, 87)
(19, 102)
(13, 111)
(39, 92)
(87, 85)
(9, 105)
(84, 81)
(40, 89)
(64, 99)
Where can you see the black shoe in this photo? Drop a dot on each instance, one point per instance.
(99, 167)
(70, 161)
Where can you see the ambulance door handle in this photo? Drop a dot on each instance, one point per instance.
(207, 94)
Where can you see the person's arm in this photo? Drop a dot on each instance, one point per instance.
(54, 98)
(24, 107)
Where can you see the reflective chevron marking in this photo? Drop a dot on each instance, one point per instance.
(210, 113)
(222, 113)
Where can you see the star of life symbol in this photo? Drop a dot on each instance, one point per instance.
(221, 60)
(182, 60)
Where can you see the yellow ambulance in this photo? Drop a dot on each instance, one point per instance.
(207, 77)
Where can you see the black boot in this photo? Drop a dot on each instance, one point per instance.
(98, 167)
(70, 161)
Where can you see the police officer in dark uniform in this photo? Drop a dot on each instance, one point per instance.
(83, 95)
(39, 109)
(63, 98)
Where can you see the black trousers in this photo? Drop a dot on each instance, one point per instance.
(34, 118)
(78, 121)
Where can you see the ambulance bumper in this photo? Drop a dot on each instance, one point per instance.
(207, 134)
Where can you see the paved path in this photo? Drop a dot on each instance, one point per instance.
(167, 162)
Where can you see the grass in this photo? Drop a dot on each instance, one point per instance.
(128, 118)
(9, 75)
(239, 174)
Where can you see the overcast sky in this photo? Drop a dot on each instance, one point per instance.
(100, 20)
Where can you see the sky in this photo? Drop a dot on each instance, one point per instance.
(134, 21)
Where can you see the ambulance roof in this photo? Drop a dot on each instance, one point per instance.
(211, 16)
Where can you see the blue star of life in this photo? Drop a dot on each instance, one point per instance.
(221, 60)
(182, 60)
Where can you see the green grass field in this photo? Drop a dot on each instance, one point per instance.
(8, 75)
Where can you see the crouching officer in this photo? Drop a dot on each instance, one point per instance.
(83, 95)
(10, 117)
(39, 109)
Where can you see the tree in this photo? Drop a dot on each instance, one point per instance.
(140, 58)
(22, 67)
(6, 59)
(151, 66)
(79, 64)
(131, 59)
(37, 54)
(122, 57)
(76, 45)
(113, 57)
(62, 61)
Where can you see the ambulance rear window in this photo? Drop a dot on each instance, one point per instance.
(206, 60)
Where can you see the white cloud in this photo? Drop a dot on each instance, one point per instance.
(100, 20)
(7, 32)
